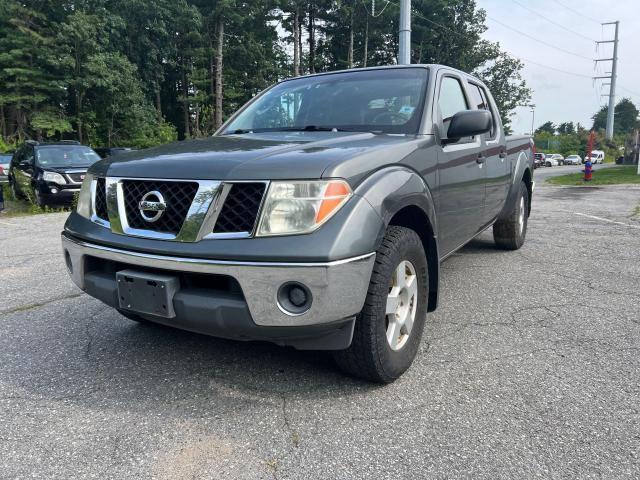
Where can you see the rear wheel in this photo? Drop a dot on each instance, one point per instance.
(389, 328)
(509, 233)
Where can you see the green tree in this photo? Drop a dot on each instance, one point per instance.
(566, 128)
(29, 80)
(505, 83)
(547, 127)
(625, 117)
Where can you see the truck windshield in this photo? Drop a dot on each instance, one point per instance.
(386, 101)
(66, 156)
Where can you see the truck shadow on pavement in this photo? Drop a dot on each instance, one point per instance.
(92, 354)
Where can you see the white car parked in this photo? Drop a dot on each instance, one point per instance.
(554, 160)
(597, 156)
(573, 160)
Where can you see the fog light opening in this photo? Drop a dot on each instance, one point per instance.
(67, 260)
(294, 298)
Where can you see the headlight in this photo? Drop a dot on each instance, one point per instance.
(85, 197)
(301, 206)
(53, 177)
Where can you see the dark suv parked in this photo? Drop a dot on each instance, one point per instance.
(50, 173)
(105, 152)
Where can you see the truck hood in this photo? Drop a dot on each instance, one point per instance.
(259, 156)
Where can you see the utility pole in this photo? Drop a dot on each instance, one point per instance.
(533, 117)
(404, 53)
(636, 150)
(612, 77)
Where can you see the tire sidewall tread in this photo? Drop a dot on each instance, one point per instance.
(370, 355)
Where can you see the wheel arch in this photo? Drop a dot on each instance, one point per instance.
(401, 197)
(527, 178)
(414, 218)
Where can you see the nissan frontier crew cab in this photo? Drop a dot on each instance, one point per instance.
(316, 217)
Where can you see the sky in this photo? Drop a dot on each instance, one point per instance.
(560, 97)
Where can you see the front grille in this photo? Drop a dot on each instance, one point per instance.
(101, 199)
(77, 177)
(177, 195)
(241, 208)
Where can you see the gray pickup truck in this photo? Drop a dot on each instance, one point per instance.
(316, 217)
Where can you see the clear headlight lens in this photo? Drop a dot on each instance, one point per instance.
(85, 197)
(53, 177)
(301, 206)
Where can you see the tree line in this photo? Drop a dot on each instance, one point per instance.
(144, 72)
(569, 138)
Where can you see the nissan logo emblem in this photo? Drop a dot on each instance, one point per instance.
(152, 206)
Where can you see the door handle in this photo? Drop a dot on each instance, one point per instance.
(481, 158)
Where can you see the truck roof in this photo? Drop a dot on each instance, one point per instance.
(426, 66)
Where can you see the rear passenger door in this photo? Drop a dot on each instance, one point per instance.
(461, 193)
(498, 171)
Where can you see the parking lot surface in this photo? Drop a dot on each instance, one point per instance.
(530, 368)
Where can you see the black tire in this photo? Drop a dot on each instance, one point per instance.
(509, 233)
(37, 198)
(370, 355)
(14, 191)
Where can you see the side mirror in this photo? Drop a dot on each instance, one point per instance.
(468, 123)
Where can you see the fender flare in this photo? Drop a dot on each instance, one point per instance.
(389, 190)
(393, 189)
(522, 165)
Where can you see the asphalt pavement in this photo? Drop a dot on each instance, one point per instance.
(530, 368)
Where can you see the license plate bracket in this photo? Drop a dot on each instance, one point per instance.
(149, 293)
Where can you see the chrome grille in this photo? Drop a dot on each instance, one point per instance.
(77, 177)
(241, 207)
(177, 195)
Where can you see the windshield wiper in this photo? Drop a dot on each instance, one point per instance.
(309, 128)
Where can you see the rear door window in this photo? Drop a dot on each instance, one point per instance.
(481, 102)
(487, 106)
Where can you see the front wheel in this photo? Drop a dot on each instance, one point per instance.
(509, 233)
(389, 328)
(39, 201)
(14, 191)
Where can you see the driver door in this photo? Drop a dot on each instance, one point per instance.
(462, 176)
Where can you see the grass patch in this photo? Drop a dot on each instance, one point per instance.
(18, 207)
(609, 176)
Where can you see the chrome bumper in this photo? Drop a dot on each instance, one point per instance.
(339, 288)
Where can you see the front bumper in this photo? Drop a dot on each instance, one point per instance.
(63, 193)
(338, 288)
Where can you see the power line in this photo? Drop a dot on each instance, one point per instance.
(364, 4)
(629, 91)
(538, 40)
(563, 27)
(577, 12)
(418, 14)
(555, 68)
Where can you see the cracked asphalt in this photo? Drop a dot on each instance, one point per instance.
(529, 369)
